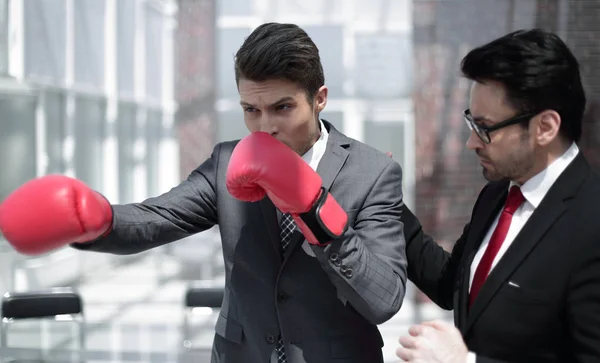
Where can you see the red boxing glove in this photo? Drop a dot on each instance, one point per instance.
(52, 211)
(260, 164)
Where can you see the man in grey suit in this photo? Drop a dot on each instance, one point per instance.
(286, 300)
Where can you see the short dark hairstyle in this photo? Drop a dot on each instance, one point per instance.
(538, 71)
(280, 51)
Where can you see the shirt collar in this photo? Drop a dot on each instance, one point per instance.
(315, 153)
(535, 189)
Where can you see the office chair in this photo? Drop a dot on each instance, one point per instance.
(59, 304)
(204, 297)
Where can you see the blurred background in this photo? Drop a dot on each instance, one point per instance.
(131, 95)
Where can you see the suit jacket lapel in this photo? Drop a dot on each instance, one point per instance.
(479, 226)
(482, 220)
(335, 156)
(271, 224)
(550, 209)
(329, 167)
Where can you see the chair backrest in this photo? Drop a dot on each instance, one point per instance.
(210, 297)
(24, 305)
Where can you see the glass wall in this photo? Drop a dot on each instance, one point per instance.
(87, 92)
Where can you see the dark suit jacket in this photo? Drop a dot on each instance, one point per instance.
(554, 316)
(326, 306)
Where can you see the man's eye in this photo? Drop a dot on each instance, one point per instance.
(283, 107)
(249, 109)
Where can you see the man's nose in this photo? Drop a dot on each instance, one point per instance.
(268, 125)
(474, 142)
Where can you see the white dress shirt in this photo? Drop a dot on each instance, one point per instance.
(315, 153)
(534, 190)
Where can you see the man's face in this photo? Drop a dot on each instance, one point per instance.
(281, 108)
(511, 152)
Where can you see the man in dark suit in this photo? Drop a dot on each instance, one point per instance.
(308, 301)
(524, 277)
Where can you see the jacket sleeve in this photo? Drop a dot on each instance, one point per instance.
(368, 263)
(188, 208)
(430, 267)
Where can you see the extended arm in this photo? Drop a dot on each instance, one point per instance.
(186, 209)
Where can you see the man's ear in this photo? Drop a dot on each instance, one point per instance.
(321, 99)
(547, 127)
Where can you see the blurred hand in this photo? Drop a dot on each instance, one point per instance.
(433, 342)
(389, 153)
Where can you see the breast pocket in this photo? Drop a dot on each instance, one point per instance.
(526, 295)
(528, 313)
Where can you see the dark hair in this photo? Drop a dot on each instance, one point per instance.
(538, 71)
(280, 51)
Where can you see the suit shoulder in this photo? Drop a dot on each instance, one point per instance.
(225, 146)
(369, 157)
(587, 199)
(222, 151)
(219, 157)
(592, 185)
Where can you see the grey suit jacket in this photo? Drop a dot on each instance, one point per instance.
(326, 301)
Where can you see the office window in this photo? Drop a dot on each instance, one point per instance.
(45, 39)
(17, 137)
(231, 125)
(89, 42)
(126, 129)
(307, 8)
(54, 113)
(154, 134)
(384, 65)
(3, 37)
(390, 14)
(154, 52)
(235, 8)
(336, 118)
(125, 47)
(330, 41)
(228, 43)
(89, 122)
(76, 130)
(386, 136)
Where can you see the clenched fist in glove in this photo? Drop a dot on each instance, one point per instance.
(262, 165)
(52, 211)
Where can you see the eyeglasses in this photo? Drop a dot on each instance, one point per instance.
(484, 131)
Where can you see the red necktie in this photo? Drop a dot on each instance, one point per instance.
(513, 201)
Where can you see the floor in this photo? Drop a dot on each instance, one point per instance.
(134, 312)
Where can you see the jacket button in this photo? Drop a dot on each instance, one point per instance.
(335, 259)
(282, 297)
(349, 273)
(343, 269)
(270, 339)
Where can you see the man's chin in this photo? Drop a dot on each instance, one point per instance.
(491, 175)
(299, 152)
